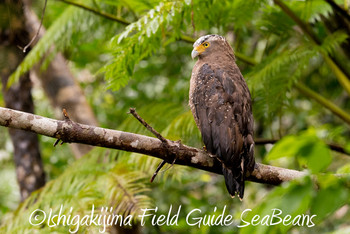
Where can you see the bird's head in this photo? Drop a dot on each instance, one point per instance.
(205, 45)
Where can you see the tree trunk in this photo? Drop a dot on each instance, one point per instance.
(27, 158)
(60, 86)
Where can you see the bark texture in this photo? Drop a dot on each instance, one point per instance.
(27, 158)
(69, 131)
(60, 86)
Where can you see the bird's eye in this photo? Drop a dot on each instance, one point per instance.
(206, 44)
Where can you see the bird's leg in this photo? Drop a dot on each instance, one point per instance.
(210, 155)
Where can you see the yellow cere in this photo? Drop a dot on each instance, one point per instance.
(201, 48)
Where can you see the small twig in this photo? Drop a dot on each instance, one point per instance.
(161, 164)
(155, 133)
(65, 114)
(37, 33)
(96, 12)
(152, 130)
(66, 118)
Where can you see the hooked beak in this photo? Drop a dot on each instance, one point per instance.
(197, 51)
(194, 53)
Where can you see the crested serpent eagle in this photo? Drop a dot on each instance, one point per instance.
(221, 105)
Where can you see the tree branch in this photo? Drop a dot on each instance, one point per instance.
(96, 12)
(332, 146)
(338, 71)
(324, 102)
(338, 9)
(69, 131)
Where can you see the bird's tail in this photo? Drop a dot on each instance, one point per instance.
(234, 181)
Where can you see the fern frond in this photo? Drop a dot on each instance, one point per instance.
(139, 40)
(74, 27)
(270, 80)
(267, 22)
(311, 10)
(56, 35)
(127, 190)
(96, 180)
(183, 127)
(273, 64)
(243, 11)
(332, 42)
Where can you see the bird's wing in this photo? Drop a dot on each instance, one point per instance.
(223, 109)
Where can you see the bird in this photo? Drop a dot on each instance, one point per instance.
(221, 104)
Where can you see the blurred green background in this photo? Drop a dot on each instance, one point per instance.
(294, 56)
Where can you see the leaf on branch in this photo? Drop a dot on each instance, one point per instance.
(140, 39)
(332, 42)
(310, 150)
(270, 80)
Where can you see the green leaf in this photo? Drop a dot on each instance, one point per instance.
(316, 156)
(286, 147)
(139, 40)
(310, 151)
(329, 199)
(291, 199)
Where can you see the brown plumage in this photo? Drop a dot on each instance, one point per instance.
(221, 105)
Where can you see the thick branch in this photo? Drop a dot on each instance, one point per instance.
(69, 131)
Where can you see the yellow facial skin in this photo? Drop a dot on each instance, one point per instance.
(199, 49)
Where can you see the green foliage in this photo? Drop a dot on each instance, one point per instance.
(330, 187)
(97, 180)
(72, 28)
(307, 205)
(311, 11)
(140, 39)
(332, 42)
(58, 34)
(267, 23)
(291, 199)
(310, 151)
(183, 127)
